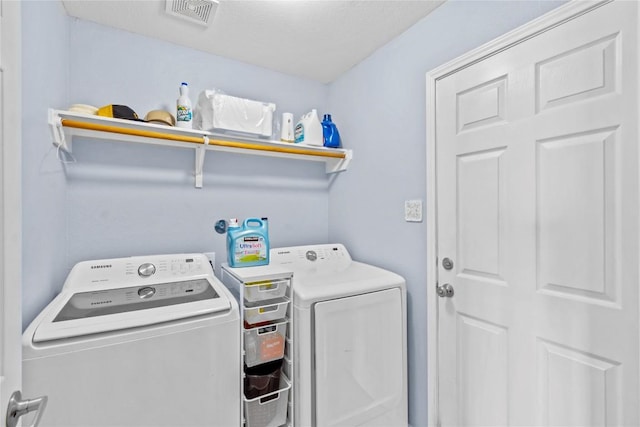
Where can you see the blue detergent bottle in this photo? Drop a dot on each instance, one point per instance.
(330, 132)
(248, 245)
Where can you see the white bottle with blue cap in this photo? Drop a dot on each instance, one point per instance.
(184, 113)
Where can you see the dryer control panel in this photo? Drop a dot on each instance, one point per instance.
(328, 256)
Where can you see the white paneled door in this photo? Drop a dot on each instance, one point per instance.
(537, 215)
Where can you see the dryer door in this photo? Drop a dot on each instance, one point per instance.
(360, 361)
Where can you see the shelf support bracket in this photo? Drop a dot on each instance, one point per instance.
(200, 153)
(57, 132)
(339, 165)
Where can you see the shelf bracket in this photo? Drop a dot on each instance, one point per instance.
(57, 132)
(339, 165)
(200, 153)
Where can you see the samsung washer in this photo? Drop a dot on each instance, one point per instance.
(350, 339)
(140, 341)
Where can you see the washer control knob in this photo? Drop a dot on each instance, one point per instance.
(147, 269)
(146, 292)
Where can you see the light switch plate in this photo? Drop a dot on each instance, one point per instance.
(413, 210)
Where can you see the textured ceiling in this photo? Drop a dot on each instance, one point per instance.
(318, 39)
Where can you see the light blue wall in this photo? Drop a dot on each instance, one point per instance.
(45, 58)
(379, 108)
(131, 199)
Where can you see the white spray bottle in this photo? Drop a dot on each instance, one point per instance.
(184, 113)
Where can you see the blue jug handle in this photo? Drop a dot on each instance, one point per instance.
(246, 222)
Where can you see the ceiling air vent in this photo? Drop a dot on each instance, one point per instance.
(199, 11)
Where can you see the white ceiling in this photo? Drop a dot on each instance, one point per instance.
(318, 39)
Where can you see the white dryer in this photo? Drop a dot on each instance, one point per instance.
(140, 341)
(350, 339)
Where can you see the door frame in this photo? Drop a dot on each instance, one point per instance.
(11, 215)
(529, 30)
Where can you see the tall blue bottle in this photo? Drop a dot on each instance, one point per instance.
(330, 132)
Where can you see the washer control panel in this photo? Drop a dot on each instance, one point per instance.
(134, 271)
(177, 266)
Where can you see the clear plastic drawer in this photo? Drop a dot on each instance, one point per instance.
(265, 313)
(265, 290)
(264, 343)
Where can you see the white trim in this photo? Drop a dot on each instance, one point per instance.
(432, 251)
(11, 216)
(638, 110)
(542, 24)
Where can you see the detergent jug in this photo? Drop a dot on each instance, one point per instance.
(248, 245)
(330, 132)
(309, 130)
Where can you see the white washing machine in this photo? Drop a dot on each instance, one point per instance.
(350, 339)
(140, 341)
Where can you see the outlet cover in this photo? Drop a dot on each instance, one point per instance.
(413, 210)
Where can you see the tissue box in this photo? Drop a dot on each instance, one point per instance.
(217, 111)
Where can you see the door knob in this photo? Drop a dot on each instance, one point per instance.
(444, 291)
(18, 407)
